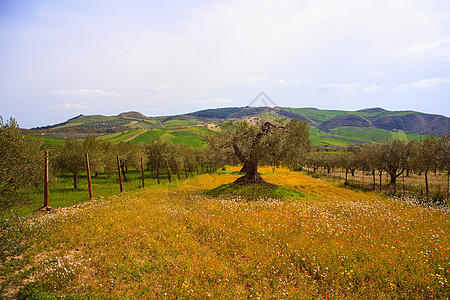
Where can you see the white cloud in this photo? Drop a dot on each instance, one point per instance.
(212, 101)
(85, 93)
(348, 88)
(343, 88)
(372, 88)
(377, 75)
(283, 81)
(439, 48)
(252, 79)
(425, 83)
(74, 106)
(160, 88)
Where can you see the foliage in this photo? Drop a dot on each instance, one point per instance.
(21, 162)
(269, 143)
(71, 157)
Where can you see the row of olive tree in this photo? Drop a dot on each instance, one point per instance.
(393, 157)
(103, 157)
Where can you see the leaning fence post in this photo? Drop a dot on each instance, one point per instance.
(89, 177)
(120, 175)
(46, 189)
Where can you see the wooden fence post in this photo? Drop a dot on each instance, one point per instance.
(142, 171)
(91, 196)
(46, 189)
(120, 175)
(168, 172)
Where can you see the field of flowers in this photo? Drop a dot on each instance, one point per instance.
(174, 242)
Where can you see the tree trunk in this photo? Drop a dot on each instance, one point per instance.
(244, 169)
(346, 174)
(252, 176)
(185, 170)
(381, 174)
(393, 181)
(190, 170)
(178, 171)
(168, 172)
(373, 175)
(123, 173)
(426, 183)
(157, 171)
(75, 181)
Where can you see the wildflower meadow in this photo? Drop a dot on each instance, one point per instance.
(174, 241)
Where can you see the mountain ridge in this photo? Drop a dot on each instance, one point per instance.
(329, 125)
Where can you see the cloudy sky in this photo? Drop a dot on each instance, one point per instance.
(59, 59)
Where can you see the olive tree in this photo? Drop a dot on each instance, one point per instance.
(394, 158)
(443, 157)
(71, 157)
(20, 161)
(269, 143)
(424, 158)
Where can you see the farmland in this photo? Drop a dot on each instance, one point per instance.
(174, 241)
(329, 128)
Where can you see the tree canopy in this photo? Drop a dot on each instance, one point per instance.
(267, 143)
(20, 161)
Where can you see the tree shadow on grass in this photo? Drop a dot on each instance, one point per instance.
(252, 192)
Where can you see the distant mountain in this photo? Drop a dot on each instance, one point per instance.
(327, 127)
(132, 114)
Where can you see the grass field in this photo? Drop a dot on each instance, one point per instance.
(188, 136)
(173, 241)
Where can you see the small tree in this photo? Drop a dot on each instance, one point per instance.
(270, 143)
(71, 159)
(443, 157)
(394, 156)
(423, 158)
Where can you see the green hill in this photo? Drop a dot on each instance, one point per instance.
(329, 128)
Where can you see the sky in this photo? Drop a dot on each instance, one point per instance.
(59, 59)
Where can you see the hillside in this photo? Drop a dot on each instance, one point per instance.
(328, 127)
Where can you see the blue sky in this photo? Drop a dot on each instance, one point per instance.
(59, 59)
